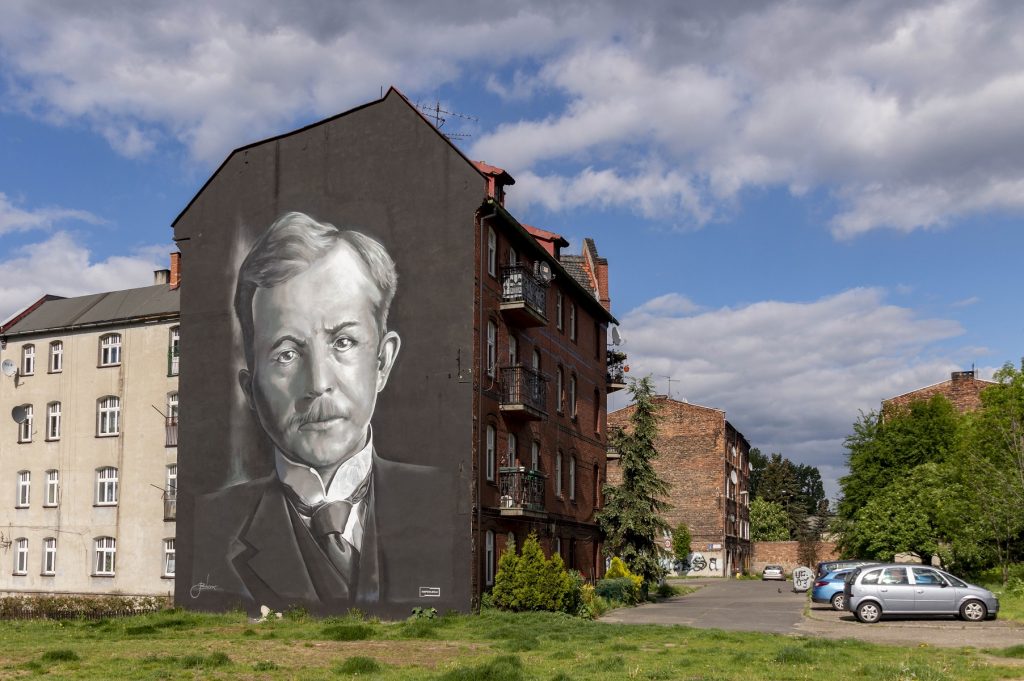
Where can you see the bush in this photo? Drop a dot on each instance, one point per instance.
(71, 607)
(530, 581)
(618, 570)
(620, 590)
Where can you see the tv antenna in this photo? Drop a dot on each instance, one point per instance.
(670, 382)
(438, 116)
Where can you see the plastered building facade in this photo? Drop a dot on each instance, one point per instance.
(88, 470)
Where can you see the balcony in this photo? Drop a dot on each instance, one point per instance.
(523, 392)
(616, 376)
(523, 297)
(522, 492)
(170, 505)
(171, 430)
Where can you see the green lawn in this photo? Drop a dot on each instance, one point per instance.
(490, 647)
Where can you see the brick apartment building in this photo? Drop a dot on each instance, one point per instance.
(90, 459)
(498, 393)
(706, 463)
(963, 390)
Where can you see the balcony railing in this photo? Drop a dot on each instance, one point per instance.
(170, 505)
(524, 391)
(171, 428)
(524, 298)
(616, 376)
(522, 491)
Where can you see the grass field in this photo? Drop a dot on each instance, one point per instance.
(493, 646)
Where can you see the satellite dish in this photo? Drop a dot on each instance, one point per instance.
(8, 367)
(19, 414)
(733, 477)
(544, 271)
(616, 336)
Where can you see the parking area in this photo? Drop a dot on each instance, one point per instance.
(773, 607)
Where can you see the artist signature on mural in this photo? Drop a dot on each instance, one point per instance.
(200, 587)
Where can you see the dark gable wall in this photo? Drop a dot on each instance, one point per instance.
(382, 170)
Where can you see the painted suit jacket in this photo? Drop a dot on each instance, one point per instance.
(251, 544)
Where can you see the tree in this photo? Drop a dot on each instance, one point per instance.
(632, 518)
(681, 542)
(530, 581)
(758, 462)
(768, 521)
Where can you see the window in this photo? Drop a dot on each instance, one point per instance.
(49, 556)
(558, 475)
(492, 435)
(513, 257)
(558, 546)
(110, 350)
(489, 558)
(513, 453)
(24, 489)
(492, 252)
(597, 412)
(513, 350)
(21, 556)
(106, 486)
(173, 351)
(168, 557)
(572, 321)
(108, 416)
(535, 456)
(572, 478)
(560, 389)
(492, 351)
(927, 577)
(51, 495)
(597, 486)
(536, 360)
(558, 311)
(28, 360)
(53, 421)
(172, 406)
(56, 357)
(572, 396)
(105, 550)
(25, 427)
(172, 480)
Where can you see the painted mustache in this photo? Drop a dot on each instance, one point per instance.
(320, 410)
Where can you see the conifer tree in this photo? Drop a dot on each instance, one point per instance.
(632, 518)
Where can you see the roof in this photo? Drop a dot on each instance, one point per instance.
(575, 265)
(544, 234)
(111, 307)
(488, 169)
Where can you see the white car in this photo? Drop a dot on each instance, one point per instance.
(773, 572)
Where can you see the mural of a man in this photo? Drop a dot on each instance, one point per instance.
(324, 530)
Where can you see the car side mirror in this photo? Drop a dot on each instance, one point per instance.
(944, 585)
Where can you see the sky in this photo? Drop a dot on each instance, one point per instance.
(807, 206)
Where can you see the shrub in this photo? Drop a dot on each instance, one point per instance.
(359, 665)
(618, 570)
(530, 581)
(70, 607)
(347, 632)
(621, 590)
(60, 655)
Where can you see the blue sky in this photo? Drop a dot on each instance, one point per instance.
(807, 206)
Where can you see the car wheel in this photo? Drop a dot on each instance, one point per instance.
(973, 611)
(869, 612)
(839, 601)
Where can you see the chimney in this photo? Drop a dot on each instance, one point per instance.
(602, 284)
(962, 376)
(161, 277)
(175, 274)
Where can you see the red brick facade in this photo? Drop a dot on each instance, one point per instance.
(566, 345)
(963, 390)
(705, 461)
(786, 554)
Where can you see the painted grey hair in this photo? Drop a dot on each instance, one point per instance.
(288, 247)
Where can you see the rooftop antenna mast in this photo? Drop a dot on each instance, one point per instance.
(439, 117)
(670, 382)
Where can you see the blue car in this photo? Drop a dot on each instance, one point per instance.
(829, 589)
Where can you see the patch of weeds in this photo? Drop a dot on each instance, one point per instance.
(903, 671)
(793, 655)
(419, 628)
(1012, 651)
(621, 647)
(60, 655)
(194, 661)
(744, 658)
(359, 665)
(561, 676)
(264, 666)
(141, 630)
(558, 636)
(521, 644)
(347, 632)
(249, 632)
(270, 634)
(33, 665)
(658, 675)
(503, 668)
(296, 613)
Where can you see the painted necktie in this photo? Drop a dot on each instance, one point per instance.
(327, 525)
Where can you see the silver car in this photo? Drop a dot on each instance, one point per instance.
(909, 590)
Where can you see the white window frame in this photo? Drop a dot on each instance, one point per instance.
(108, 416)
(535, 455)
(513, 350)
(572, 478)
(28, 360)
(110, 350)
(171, 480)
(559, 322)
(572, 321)
(169, 557)
(513, 450)
(172, 405)
(492, 252)
(174, 351)
(572, 396)
(56, 357)
(107, 482)
(558, 474)
(489, 557)
(49, 566)
(489, 453)
(21, 556)
(492, 347)
(25, 427)
(23, 491)
(51, 492)
(513, 257)
(560, 390)
(104, 556)
(53, 411)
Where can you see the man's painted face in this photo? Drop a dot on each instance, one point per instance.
(319, 359)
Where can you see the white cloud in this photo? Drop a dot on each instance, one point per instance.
(15, 219)
(792, 376)
(61, 266)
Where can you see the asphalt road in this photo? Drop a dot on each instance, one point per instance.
(773, 607)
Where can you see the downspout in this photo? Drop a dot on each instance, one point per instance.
(478, 391)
